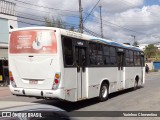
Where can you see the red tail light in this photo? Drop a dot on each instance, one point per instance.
(12, 79)
(56, 81)
(11, 76)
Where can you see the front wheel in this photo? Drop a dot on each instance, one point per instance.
(103, 94)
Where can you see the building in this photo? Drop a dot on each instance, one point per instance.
(3, 50)
(158, 46)
(8, 19)
(142, 46)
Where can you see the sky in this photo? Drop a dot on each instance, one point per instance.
(122, 19)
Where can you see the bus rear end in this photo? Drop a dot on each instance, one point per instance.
(34, 65)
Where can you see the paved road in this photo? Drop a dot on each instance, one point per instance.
(143, 99)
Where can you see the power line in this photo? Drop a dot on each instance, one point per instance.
(36, 10)
(119, 26)
(91, 11)
(36, 23)
(91, 32)
(94, 34)
(43, 21)
(34, 19)
(43, 6)
(37, 20)
(46, 11)
(85, 13)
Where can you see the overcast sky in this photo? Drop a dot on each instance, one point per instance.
(121, 18)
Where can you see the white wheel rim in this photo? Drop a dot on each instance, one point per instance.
(104, 91)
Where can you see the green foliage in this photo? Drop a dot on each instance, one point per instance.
(150, 51)
(72, 28)
(136, 44)
(54, 23)
(57, 23)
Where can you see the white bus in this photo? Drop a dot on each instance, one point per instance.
(46, 62)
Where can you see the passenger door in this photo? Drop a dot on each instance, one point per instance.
(121, 75)
(81, 62)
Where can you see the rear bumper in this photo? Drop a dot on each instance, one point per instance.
(59, 93)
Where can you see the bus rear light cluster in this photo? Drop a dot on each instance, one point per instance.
(56, 81)
(11, 76)
(12, 79)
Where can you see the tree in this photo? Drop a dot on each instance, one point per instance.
(136, 44)
(55, 23)
(150, 51)
(72, 28)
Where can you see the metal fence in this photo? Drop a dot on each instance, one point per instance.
(7, 7)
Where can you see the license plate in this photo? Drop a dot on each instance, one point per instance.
(33, 82)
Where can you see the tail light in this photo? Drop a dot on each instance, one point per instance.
(56, 81)
(11, 76)
(12, 79)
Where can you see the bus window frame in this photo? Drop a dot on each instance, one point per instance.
(63, 52)
(104, 65)
(87, 46)
(74, 41)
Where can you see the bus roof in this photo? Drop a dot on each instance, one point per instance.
(96, 39)
(83, 36)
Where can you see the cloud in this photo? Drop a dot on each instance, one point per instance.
(114, 6)
(141, 22)
(121, 18)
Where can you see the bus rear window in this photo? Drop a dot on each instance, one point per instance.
(33, 41)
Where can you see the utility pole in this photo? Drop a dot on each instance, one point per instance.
(101, 21)
(134, 37)
(135, 43)
(80, 17)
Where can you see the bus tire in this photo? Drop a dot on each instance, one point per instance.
(103, 93)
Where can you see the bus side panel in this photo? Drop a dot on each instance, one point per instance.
(97, 75)
(143, 70)
(131, 73)
(70, 78)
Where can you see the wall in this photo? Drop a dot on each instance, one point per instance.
(156, 65)
(5, 22)
(7, 18)
(3, 53)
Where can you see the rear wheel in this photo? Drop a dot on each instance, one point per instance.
(103, 94)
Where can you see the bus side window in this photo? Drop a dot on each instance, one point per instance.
(106, 55)
(92, 54)
(131, 57)
(137, 59)
(99, 55)
(68, 51)
(127, 58)
(113, 56)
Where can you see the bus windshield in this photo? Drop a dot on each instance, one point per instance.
(33, 41)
